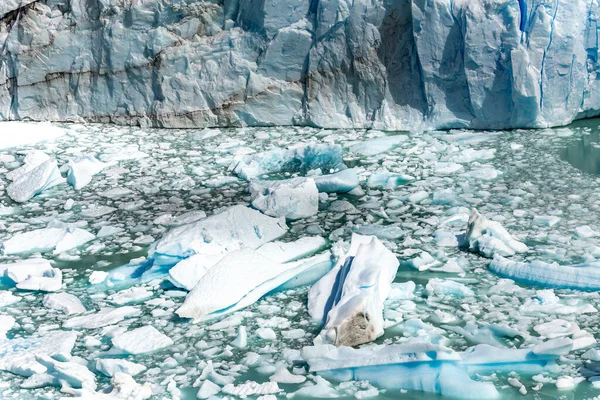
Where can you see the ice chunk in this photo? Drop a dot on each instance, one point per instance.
(290, 251)
(64, 302)
(123, 387)
(545, 220)
(19, 355)
(32, 159)
(422, 262)
(56, 239)
(387, 180)
(584, 276)
(545, 301)
(339, 182)
(251, 389)
(226, 283)
(186, 273)
(97, 277)
(378, 145)
(104, 317)
(82, 169)
(489, 237)
(141, 341)
(33, 274)
(232, 229)
(349, 299)
(131, 295)
(420, 366)
(300, 158)
(291, 198)
(445, 287)
(34, 182)
(389, 232)
(207, 390)
(6, 324)
(282, 375)
(112, 366)
(7, 298)
(16, 134)
(68, 373)
(241, 340)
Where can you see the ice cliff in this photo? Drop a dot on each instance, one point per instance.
(385, 64)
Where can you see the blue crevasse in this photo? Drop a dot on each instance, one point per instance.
(384, 64)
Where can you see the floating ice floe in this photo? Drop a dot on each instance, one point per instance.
(82, 169)
(293, 199)
(349, 299)
(33, 274)
(65, 373)
(6, 324)
(57, 238)
(585, 276)
(7, 298)
(112, 366)
(65, 302)
(104, 317)
(339, 182)
(26, 133)
(208, 239)
(244, 276)
(146, 339)
(19, 355)
(446, 287)
(123, 387)
(387, 180)
(428, 367)
(300, 158)
(378, 145)
(35, 181)
(547, 302)
(489, 238)
(32, 159)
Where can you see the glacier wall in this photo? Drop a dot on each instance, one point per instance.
(385, 64)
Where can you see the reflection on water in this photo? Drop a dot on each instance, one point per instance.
(584, 154)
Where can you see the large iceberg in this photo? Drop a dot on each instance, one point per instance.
(349, 299)
(383, 64)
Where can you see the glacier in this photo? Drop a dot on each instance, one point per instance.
(382, 64)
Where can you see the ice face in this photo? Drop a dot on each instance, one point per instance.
(349, 299)
(333, 64)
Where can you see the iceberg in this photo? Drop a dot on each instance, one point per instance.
(349, 299)
(34, 182)
(292, 199)
(301, 159)
(489, 238)
(585, 276)
(82, 169)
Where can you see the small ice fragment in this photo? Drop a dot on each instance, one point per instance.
(207, 390)
(82, 169)
(131, 295)
(291, 198)
(55, 239)
(112, 366)
(141, 341)
(251, 389)
(387, 180)
(489, 237)
(68, 373)
(33, 274)
(104, 317)
(422, 262)
(545, 220)
(97, 277)
(445, 287)
(7, 298)
(108, 230)
(64, 302)
(282, 375)
(266, 333)
(241, 341)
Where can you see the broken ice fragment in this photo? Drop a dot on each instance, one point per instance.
(291, 198)
(387, 180)
(33, 274)
(65, 302)
(446, 287)
(56, 239)
(300, 158)
(112, 366)
(68, 373)
(349, 299)
(141, 341)
(339, 182)
(104, 317)
(378, 145)
(34, 182)
(489, 237)
(584, 276)
(82, 169)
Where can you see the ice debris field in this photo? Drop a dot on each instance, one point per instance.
(299, 263)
